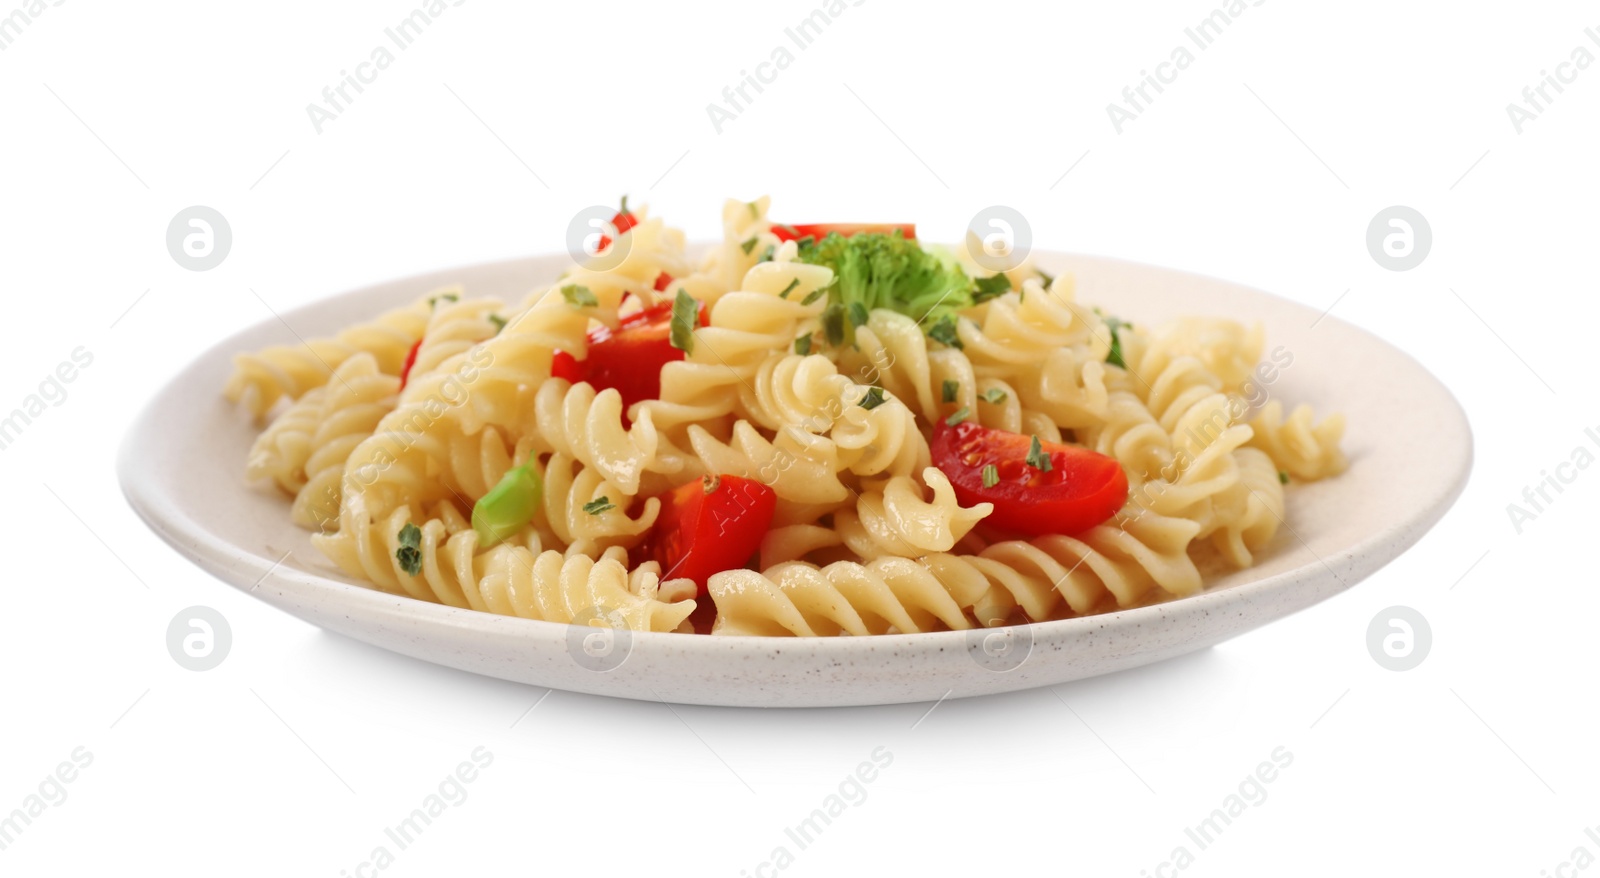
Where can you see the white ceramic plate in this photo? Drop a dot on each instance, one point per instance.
(182, 463)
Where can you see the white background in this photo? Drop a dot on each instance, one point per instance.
(482, 140)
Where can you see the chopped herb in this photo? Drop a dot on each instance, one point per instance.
(1114, 357)
(1047, 279)
(685, 310)
(766, 255)
(1037, 458)
(599, 505)
(802, 345)
(789, 229)
(579, 296)
(951, 388)
(748, 245)
(833, 323)
(793, 282)
(410, 552)
(814, 295)
(433, 301)
(944, 332)
(994, 396)
(624, 209)
(873, 398)
(986, 288)
(499, 323)
(755, 212)
(858, 314)
(960, 415)
(1283, 477)
(991, 475)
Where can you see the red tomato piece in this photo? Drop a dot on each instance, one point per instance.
(629, 358)
(622, 222)
(709, 526)
(663, 280)
(1082, 488)
(821, 230)
(411, 360)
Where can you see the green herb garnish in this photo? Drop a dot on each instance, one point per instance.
(833, 323)
(685, 310)
(410, 552)
(991, 475)
(755, 213)
(994, 396)
(793, 282)
(1036, 456)
(944, 332)
(1283, 477)
(815, 294)
(749, 245)
(858, 314)
(802, 345)
(499, 323)
(1114, 357)
(599, 505)
(433, 301)
(873, 398)
(959, 416)
(951, 388)
(986, 288)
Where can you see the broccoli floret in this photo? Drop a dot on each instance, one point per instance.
(877, 270)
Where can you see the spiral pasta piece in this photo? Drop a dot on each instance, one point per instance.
(1302, 448)
(262, 378)
(897, 520)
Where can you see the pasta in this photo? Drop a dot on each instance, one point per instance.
(808, 431)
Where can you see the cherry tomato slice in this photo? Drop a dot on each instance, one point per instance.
(411, 360)
(709, 526)
(1082, 488)
(821, 230)
(663, 280)
(622, 222)
(630, 358)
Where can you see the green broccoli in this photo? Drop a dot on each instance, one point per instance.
(877, 270)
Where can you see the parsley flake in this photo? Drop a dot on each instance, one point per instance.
(748, 245)
(833, 323)
(410, 552)
(858, 314)
(951, 388)
(685, 310)
(994, 396)
(1036, 456)
(991, 476)
(802, 345)
(599, 505)
(873, 398)
(499, 323)
(944, 332)
(960, 415)
(793, 282)
(1114, 357)
(1283, 477)
(986, 288)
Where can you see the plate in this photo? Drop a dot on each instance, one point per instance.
(181, 468)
